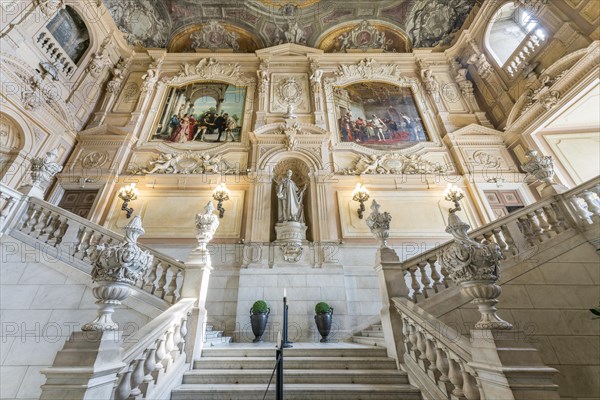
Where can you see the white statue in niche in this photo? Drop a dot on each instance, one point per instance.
(290, 200)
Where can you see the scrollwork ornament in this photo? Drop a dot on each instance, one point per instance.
(292, 252)
(379, 223)
(116, 268)
(95, 159)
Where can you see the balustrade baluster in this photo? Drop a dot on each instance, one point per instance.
(424, 278)
(592, 202)
(176, 341)
(7, 207)
(169, 345)
(431, 354)
(412, 335)
(551, 218)
(151, 277)
(162, 282)
(183, 332)
(580, 207)
(123, 389)
(414, 284)
(510, 242)
(81, 240)
(560, 217)
(44, 221)
(470, 388)
(541, 217)
(435, 275)
(172, 284)
(33, 219)
(535, 226)
(525, 227)
(150, 364)
(178, 281)
(62, 229)
(497, 233)
(137, 377)
(160, 355)
(441, 363)
(421, 345)
(455, 376)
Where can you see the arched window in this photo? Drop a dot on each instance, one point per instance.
(70, 32)
(513, 36)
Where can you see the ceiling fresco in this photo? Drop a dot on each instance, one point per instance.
(400, 25)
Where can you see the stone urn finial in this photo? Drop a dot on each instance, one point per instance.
(379, 224)
(116, 269)
(541, 169)
(475, 267)
(206, 225)
(42, 171)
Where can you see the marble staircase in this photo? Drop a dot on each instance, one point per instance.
(214, 338)
(372, 336)
(345, 371)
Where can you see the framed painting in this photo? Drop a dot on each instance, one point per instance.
(378, 115)
(202, 112)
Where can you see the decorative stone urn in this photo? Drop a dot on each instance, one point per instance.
(115, 269)
(42, 171)
(379, 224)
(541, 168)
(474, 266)
(206, 226)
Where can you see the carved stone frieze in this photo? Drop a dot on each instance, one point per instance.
(368, 68)
(209, 68)
(187, 162)
(214, 36)
(392, 163)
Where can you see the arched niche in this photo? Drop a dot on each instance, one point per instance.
(215, 36)
(301, 173)
(11, 144)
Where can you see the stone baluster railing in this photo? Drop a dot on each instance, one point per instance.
(9, 201)
(155, 356)
(515, 234)
(55, 53)
(521, 55)
(491, 364)
(77, 240)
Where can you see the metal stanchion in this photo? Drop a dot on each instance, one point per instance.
(286, 344)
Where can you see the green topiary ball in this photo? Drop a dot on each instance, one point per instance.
(260, 307)
(322, 308)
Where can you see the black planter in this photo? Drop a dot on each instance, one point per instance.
(323, 322)
(259, 324)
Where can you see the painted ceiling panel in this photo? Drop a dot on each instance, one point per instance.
(154, 23)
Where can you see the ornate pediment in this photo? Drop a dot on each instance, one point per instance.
(187, 162)
(394, 164)
(210, 69)
(369, 69)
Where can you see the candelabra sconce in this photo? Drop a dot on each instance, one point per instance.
(221, 194)
(454, 194)
(360, 194)
(127, 194)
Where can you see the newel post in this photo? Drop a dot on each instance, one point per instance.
(390, 277)
(87, 365)
(195, 283)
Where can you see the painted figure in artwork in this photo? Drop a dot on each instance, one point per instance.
(290, 200)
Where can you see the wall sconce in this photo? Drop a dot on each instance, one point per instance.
(360, 194)
(454, 194)
(221, 194)
(128, 193)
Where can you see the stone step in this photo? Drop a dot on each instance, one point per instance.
(371, 341)
(216, 341)
(299, 351)
(295, 363)
(212, 334)
(296, 392)
(371, 333)
(312, 376)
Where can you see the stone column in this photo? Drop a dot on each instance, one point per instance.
(87, 365)
(197, 274)
(42, 171)
(390, 276)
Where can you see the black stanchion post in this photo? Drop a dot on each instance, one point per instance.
(279, 384)
(286, 344)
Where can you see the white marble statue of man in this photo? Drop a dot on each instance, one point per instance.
(290, 200)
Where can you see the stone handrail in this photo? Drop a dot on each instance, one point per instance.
(155, 355)
(76, 240)
(436, 355)
(516, 234)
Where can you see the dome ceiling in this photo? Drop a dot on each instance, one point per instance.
(387, 25)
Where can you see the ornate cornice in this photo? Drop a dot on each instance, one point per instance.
(210, 69)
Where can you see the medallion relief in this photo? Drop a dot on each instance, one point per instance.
(290, 90)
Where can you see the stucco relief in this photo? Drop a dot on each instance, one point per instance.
(290, 90)
(392, 163)
(143, 22)
(187, 162)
